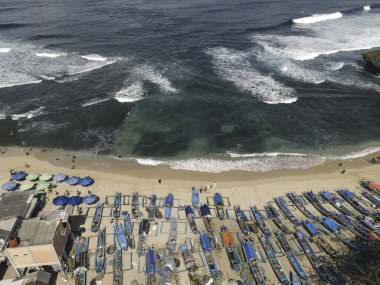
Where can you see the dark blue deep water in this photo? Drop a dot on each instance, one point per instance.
(209, 85)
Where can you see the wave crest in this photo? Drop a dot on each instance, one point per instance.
(318, 18)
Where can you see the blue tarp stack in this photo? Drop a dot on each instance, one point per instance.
(349, 195)
(331, 225)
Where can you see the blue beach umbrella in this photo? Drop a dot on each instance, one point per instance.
(86, 181)
(73, 180)
(60, 177)
(19, 175)
(60, 200)
(75, 200)
(9, 186)
(90, 199)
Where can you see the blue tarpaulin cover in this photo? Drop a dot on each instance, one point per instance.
(249, 251)
(169, 199)
(331, 225)
(348, 194)
(312, 196)
(206, 242)
(188, 210)
(313, 230)
(150, 261)
(195, 197)
(205, 210)
(218, 199)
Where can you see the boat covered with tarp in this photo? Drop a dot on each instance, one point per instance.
(151, 266)
(241, 220)
(97, 219)
(331, 225)
(219, 204)
(128, 228)
(195, 197)
(190, 216)
(337, 202)
(120, 236)
(310, 228)
(169, 200)
(313, 199)
(229, 244)
(143, 235)
(207, 250)
(206, 215)
(350, 198)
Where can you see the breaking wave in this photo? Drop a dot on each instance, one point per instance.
(28, 115)
(318, 18)
(367, 8)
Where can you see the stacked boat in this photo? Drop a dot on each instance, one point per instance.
(172, 241)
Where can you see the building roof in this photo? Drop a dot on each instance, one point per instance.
(6, 227)
(17, 204)
(55, 215)
(37, 232)
(36, 278)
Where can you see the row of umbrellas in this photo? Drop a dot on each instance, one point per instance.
(75, 200)
(12, 186)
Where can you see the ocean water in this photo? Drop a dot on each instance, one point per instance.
(198, 85)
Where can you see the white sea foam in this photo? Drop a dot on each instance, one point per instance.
(234, 66)
(49, 55)
(95, 101)
(318, 18)
(131, 93)
(149, 161)
(28, 115)
(5, 50)
(275, 154)
(367, 8)
(94, 57)
(46, 77)
(360, 153)
(334, 65)
(3, 116)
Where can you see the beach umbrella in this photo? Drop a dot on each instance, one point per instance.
(42, 185)
(60, 177)
(90, 199)
(27, 185)
(60, 200)
(19, 175)
(86, 181)
(32, 176)
(75, 200)
(9, 186)
(45, 177)
(73, 180)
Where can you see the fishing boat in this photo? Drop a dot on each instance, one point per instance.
(313, 199)
(117, 205)
(219, 204)
(191, 219)
(350, 198)
(337, 202)
(169, 200)
(97, 219)
(299, 204)
(241, 220)
(143, 236)
(291, 255)
(371, 186)
(294, 279)
(152, 209)
(273, 260)
(135, 204)
(128, 228)
(207, 251)
(260, 221)
(371, 198)
(274, 215)
(188, 258)
(206, 215)
(120, 236)
(195, 198)
(117, 267)
(81, 263)
(232, 253)
(172, 240)
(151, 266)
(100, 253)
(282, 205)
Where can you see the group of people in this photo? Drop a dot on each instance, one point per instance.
(206, 187)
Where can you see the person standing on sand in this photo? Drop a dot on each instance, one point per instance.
(159, 180)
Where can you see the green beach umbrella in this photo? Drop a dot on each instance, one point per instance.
(45, 177)
(42, 185)
(27, 186)
(32, 176)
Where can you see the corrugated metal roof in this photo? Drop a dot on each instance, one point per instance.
(37, 232)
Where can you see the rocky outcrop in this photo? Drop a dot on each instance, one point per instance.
(373, 60)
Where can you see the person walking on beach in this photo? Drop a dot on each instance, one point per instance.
(159, 180)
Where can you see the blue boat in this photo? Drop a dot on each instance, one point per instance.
(260, 221)
(337, 202)
(195, 198)
(191, 219)
(152, 207)
(117, 267)
(206, 215)
(313, 199)
(100, 252)
(120, 236)
(274, 215)
(219, 204)
(169, 200)
(172, 240)
(97, 219)
(371, 198)
(282, 205)
(188, 259)
(232, 253)
(81, 263)
(319, 239)
(128, 228)
(143, 236)
(241, 220)
(117, 205)
(310, 228)
(207, 251)
(151, 266)
(298, 202)
(350, 198)
(135, 204)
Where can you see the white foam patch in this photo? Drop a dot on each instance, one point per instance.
(95, 101)
(49, 55)
(3, 116)
(367, 8)
(234, 66)
(149, 161)
(4, 50)
(94, 57)
(318, 18)
(360, 153)
(334, 65)
(131, 93)
(28, 115)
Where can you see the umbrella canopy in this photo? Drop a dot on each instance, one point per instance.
(60, 200)
(32, 176)
(75, 200)
(73, 180)
(9, 186)
(86, 181)
(60, 177)
(90, 199)
(42, 185)
(27, 185)
(19, 175)
(45, 177)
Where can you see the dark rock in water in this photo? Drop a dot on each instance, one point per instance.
(373, 61)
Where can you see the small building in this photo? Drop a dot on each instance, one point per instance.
(36, 278)
(42, 241)
(21, 204)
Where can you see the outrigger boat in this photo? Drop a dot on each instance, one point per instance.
(135, 204)
(191, 219)
(100, 253)
(337, 202)
(207, 250)
(282, 205)
(143, 236)
(97, 219)
(294, 279)
(354, 228)
(232, 253)
(335, 229)
(117, 205)
(117, 267)
(319, 239)
(172, 241)
(371, 186)
(241, 220)
(195, 197)
(151, 266)
(128, 228)
(188, 259)
(275, 263)
(169, 200)
(313, 199)
(206, 215)
(120, 236)
(260, 221)
(291, 255)
(350, 198)
(299, 204)
(152, 207)
(371, 198)
(218, 200)
(274, 215)
(81, 260)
